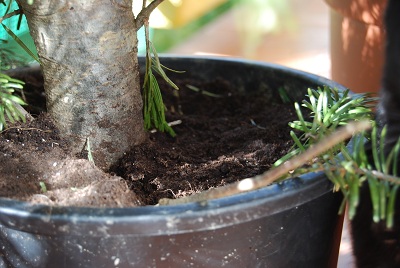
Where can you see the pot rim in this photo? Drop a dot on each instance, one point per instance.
(199, 216)
(213, 214)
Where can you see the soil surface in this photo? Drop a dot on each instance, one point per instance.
(219, 140)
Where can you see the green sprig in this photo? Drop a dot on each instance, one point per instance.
(154, 108)
(348, 169)
(9, 111)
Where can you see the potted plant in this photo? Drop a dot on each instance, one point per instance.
(84, 57)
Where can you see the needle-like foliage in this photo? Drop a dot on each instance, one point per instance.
(154, 108)
(9, 111)
(347, 165)
(328, 109)
(9, 102)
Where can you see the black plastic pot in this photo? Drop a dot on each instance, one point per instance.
(290, 224)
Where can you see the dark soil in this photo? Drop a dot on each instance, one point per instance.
(219, 140)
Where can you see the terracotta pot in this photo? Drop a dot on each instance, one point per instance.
(357, 43)
(294, 223)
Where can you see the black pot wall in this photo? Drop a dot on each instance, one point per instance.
(290, 224)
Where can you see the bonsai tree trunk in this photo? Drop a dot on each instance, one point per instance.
(88, 54)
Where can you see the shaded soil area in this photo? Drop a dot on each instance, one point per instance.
(220, 139)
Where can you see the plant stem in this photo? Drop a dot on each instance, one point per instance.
(9, 15)
(272, 175)
(380, 175)
(145, 13)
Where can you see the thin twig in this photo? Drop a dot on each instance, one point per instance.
(380, 175)
(144, 14)
(171, 124)
(9, 15)
(24, 112)
(272, 175)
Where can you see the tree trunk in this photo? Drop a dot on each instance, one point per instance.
(88, 54)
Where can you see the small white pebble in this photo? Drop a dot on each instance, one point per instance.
(246, 184)
(54, 164)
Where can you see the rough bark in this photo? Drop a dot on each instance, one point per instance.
(88, 54)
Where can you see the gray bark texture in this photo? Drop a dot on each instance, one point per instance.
(88, 54)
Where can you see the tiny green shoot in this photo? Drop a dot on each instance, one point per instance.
(89, 151)
(43, 187)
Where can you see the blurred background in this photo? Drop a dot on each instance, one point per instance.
(286, 32)
(280, 31)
